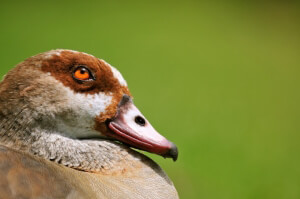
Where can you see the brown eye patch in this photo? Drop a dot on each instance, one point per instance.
(64, 64)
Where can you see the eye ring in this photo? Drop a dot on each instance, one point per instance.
(82, 74)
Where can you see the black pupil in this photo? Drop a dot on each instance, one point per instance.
(140, 121)
(83, 71)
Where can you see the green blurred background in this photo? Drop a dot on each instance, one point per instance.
(219, 79)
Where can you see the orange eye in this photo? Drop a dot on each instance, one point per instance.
(82, 74)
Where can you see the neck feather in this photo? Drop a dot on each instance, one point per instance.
(20, 131)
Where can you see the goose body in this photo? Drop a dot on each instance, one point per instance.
(67, 125)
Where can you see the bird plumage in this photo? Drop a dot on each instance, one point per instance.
(47, 120)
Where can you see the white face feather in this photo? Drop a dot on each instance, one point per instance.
(117, 74)
(84, 108)
(76, 117)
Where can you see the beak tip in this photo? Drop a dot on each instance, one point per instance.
(172, 152)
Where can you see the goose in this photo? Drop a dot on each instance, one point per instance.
(68, 129)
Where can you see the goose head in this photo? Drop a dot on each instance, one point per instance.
(79, 96)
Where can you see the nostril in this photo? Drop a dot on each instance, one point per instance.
(140, 121)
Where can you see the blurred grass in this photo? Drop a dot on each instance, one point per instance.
(221, 80)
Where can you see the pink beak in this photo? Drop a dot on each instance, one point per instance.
(131, 127)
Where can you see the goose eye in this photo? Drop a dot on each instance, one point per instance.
(82, 73)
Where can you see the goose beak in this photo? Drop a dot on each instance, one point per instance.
(131, 127)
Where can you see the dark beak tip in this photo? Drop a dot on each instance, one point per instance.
(172, 153)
